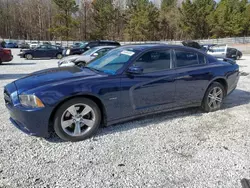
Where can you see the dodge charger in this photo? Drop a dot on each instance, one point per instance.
(126, 83)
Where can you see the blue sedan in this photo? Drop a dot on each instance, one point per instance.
(126, 83)
(43, 51)
(11, 45)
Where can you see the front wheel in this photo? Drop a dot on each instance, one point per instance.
(213, 97)
(59, 56)
(77, 119)
(29, 56)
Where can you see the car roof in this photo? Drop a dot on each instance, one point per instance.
(100, 47)
(107, 41)
(143, 47)
(111, 41)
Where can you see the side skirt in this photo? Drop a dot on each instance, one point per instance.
(122, 120)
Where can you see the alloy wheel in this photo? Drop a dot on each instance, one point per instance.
(59, 56)
(29, 56)
(77, 120)
(215, 98)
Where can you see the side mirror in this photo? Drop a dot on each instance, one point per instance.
(94, 54)
(135, 70)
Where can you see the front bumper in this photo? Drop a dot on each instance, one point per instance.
(21, 55)
(30, 121)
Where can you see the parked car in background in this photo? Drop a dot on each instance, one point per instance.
(76, 50)
(234, 53)
(58, 44)
(216, 50)
(46, 43)
(43, 51)
(223, 51)
(78, 45)
(2, 44)
(83, 59)
(34, 44)
(192, 44)
(206, 47)
(23, 45)
(5, 55)
(126, 83)
(11, 45)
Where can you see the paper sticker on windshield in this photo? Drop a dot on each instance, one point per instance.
(129, 53)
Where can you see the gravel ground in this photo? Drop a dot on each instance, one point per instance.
(186, 148)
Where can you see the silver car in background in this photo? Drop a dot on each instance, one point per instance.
(83, 59)
(219, 51)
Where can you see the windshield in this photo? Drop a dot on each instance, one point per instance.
(90, 51)
(113, 61)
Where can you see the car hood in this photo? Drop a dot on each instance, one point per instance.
(85, 58)
(52, 76)
(70, 58)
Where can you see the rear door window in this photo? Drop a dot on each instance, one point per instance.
(185, 58)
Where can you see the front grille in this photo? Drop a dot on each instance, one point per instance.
(7, 97)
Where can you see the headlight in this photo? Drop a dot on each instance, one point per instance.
(67, 51)
(30, 101)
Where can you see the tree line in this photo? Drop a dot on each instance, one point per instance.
(136, 20)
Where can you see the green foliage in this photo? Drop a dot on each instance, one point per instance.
(229, 18)
(103, 18)
(194, 17)
(168, 4)
(142, 22)
(137, 20)
(64, 21)
(168, 20)
(246, 21)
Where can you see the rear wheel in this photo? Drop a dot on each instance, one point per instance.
(213, 97)
(1, 62)
(77, 119)
(59, 56)
(28, 56)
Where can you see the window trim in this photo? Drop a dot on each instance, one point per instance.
(184, 50)
(157, 49)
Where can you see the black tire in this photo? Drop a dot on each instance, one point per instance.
(59, 56)
(61, 111)
(206, 106)
(81, 64)
(1, 62)
(29, 56)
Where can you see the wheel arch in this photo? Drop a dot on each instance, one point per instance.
(88, 96)
(220, 80)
